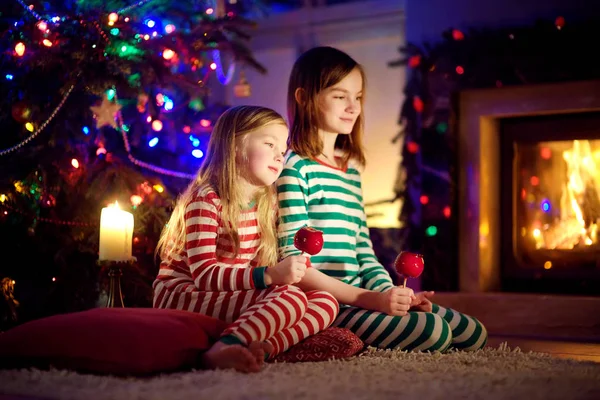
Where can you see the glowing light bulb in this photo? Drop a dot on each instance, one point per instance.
(431, 230)
(136, 200)
(157, 125)
(197, 153)
(168, 54)
(20, 49)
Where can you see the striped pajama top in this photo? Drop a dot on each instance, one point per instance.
(207, 273)
(329, 199)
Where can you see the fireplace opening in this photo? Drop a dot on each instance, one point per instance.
(550, 203)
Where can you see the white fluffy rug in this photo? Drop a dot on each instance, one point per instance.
(488, 374)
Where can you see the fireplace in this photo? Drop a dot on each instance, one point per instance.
(550, 203)
(529, 183)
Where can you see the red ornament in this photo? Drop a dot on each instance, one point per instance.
(309, 240)
(409, 265)
(460, 70)
(457, 35)
(559, 22)
(418, 104)
(414, 61)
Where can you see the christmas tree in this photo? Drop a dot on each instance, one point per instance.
(103, 101)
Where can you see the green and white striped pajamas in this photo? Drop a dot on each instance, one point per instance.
(330, 199)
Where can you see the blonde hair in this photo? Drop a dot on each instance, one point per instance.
(315, 70)
(220, 172)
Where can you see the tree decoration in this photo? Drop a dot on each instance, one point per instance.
(106, 113)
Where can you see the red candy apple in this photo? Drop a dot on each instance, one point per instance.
(309, 240)
(409, 265)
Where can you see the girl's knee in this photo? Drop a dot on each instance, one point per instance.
(323, 297)
(440, 333)
(473, 339)
(293, 291)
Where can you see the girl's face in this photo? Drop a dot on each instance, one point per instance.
(339, 105)
(260, 157)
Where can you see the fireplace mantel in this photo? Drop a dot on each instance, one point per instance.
(479, 115)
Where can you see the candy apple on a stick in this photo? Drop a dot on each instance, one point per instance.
(309, 240)
(409, 265)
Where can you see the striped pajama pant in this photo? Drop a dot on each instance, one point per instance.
(421, 331)
(284, 316)
(280, 315)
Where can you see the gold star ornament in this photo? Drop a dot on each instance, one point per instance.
(106, 113)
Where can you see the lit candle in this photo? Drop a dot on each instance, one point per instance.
(116, 231)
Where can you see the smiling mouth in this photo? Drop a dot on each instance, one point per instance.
(274, 169)
(347, 120)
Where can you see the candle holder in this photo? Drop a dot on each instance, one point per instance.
(115, 297)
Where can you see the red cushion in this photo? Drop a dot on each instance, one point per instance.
(332, 343)
(120, 341)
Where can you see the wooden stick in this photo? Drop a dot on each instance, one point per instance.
(404, 284)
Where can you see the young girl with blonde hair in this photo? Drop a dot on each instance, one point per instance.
(219, 248)
(320, 186)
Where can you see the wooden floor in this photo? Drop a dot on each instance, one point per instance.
(581, 351)
(570, 330)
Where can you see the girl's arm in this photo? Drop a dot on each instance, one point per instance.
(396, 301)
(345, 294)
(373, 274)
(201, 223)
(292, 194)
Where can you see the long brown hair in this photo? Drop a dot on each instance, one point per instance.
(221, 172)
(316, 70)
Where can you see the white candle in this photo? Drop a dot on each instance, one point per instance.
(116, 231)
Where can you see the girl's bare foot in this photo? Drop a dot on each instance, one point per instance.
(224, 356)
(259, 349)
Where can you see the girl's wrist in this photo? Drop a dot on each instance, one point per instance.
(369, 300)
(268, 278)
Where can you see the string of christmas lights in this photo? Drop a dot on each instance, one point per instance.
(41, 128)
(46, 220)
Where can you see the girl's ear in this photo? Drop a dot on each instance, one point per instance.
(300, 96)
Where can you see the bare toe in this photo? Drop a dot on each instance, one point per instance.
(223, 356)
(259, 350)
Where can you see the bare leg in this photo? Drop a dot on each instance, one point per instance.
(238, 357)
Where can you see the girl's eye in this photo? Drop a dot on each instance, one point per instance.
(359, 98)
(271, 145)
(340, 97)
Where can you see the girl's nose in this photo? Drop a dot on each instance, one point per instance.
(354, 106)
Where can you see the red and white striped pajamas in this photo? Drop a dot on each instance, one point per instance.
(209, 278)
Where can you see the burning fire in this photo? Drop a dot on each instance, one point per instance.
(575, 225)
